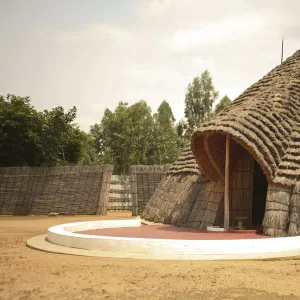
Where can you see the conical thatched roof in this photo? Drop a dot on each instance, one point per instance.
(265, 120)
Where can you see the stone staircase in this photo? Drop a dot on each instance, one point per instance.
(120, 193)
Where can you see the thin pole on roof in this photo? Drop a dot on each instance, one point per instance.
(282, 50)
(226, 189)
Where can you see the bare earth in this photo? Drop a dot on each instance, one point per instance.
(29, 274)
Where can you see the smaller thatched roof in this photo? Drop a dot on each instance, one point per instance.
(185, 163)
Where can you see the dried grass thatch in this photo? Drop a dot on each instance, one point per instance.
(180, 185)
(294, 220)
(189, 199)
(276, 220)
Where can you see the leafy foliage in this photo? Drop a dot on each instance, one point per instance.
(199, 99)
(131, 135)
(56, 134)
(48, 138)
(165, 143)
(19, 132)
(225, 101)
(182, 133)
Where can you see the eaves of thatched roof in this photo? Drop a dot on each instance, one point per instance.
(185, 164)
(265, 120)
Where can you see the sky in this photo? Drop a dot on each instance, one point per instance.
(92, 54)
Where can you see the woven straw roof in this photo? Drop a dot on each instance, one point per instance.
(185, 163)
(265, 120)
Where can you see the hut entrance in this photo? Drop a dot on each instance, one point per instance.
(260, 187)
(244, 183)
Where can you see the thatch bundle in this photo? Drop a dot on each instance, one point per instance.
(180, 186)
(276, 220)
(294, 220)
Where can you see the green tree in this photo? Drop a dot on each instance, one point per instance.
(131, 135)
(123, 136)
(141, 132)
(48, 138)
(19, 132)
(164, 116)
(56, 134)
(182, 129)
(165, 147)
(199, 98)
(225, 101)
(80, 148)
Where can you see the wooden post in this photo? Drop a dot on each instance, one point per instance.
(226, 189)
(104, 192)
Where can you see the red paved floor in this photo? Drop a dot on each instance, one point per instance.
(171, 232)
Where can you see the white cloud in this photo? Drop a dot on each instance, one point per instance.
(226, 30)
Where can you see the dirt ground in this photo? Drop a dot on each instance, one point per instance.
(29, 274)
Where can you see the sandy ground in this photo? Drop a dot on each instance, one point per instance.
(29, 274)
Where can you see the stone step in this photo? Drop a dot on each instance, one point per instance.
(114, 203)
(121, 192)
(119, 200)
(118, 179)
(119, 182)
(119, 195)
(120, 209)
(120, 187)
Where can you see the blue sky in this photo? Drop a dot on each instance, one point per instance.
(93, 54)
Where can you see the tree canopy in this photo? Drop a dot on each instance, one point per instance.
(32, 138)
(19, 132)
(225, 101)
(166, 144)
(132, 135)
(199, 99)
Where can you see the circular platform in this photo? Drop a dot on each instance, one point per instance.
(173, 233)
(131, 239)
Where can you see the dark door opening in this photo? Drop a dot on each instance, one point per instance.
(260, 188)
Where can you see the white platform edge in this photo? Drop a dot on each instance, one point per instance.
(215, 229)
(62, 239)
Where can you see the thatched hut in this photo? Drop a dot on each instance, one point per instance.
(249, 155)
(175, 190)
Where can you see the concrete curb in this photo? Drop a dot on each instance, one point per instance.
(62, 239)
(42, 244)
